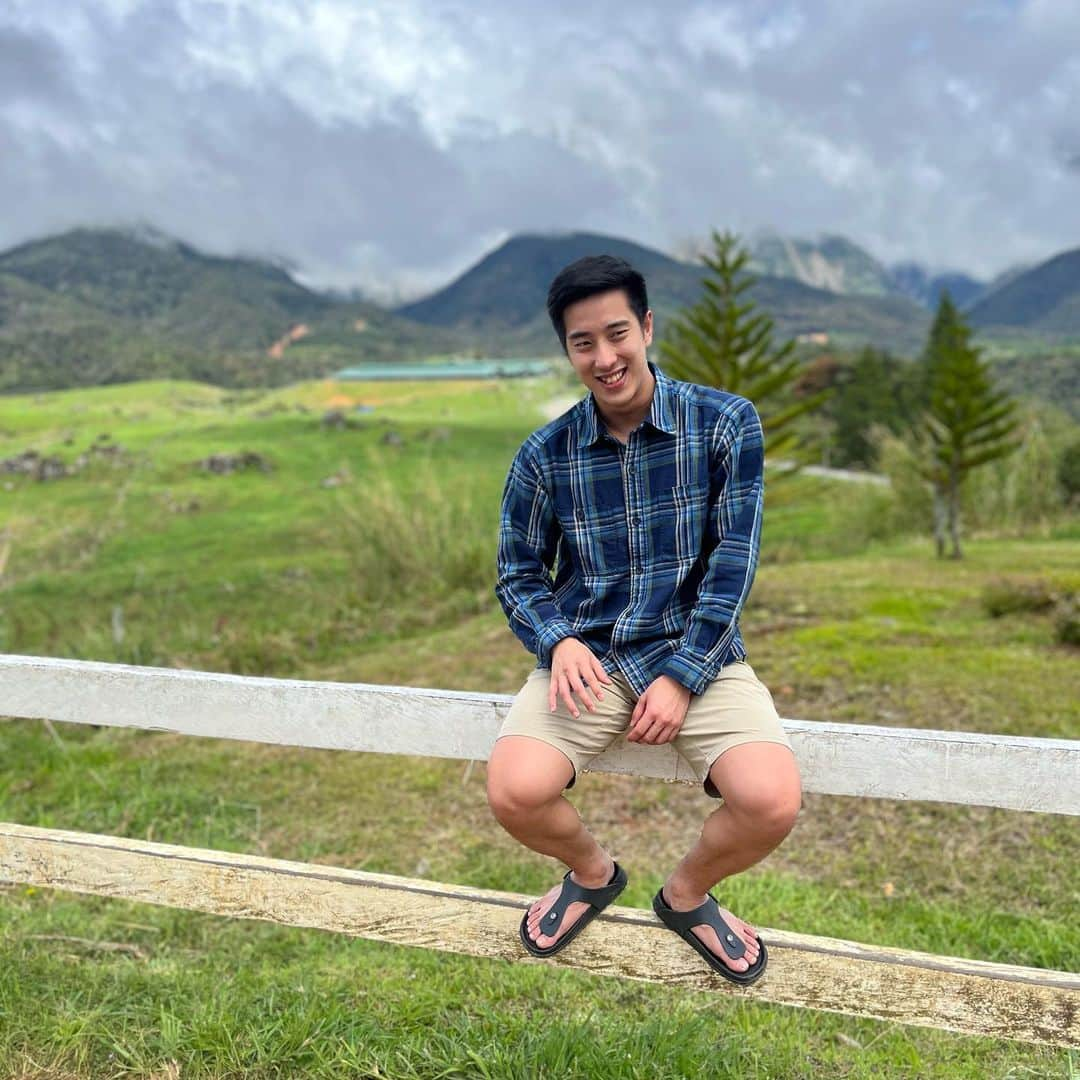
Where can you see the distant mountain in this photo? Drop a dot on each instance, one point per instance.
(831, 263)
(503, 296)
(1044, 299)
(106, 305)
(836, 265)
(167, 286)
(926, 288)
(507, 289)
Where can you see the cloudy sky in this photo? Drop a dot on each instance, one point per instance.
(387, 144)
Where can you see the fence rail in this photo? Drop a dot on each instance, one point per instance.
(1028, 1004)
(835, 759)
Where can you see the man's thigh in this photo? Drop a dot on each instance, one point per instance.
(580, 738)
(736, 708)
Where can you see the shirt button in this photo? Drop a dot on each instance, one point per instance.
(636, 519)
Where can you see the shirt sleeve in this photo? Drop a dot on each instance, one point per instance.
(737, 472)
(528, 540)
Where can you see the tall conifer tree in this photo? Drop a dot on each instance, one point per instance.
(724, 341)
(967, 421)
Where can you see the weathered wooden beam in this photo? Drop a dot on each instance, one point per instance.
(965, 996)
(835, 759)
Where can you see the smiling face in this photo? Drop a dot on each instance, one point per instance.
(606, 345)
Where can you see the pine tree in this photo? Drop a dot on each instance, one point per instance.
(866, 395)
(967, 421)
(724, 341)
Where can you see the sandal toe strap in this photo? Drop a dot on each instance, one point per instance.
(573, 893)
(708, 914)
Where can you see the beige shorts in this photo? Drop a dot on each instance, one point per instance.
(736, 708)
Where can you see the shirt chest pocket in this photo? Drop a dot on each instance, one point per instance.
(677, 523)
(597, 534)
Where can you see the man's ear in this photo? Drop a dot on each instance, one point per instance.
(646, 327)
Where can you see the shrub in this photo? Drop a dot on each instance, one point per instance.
(1067, 622)
(1010, 597)
(1068, 472)
(1018, 493)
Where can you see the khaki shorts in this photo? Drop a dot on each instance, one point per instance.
(736, 708)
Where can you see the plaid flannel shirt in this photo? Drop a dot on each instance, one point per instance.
(654, 543)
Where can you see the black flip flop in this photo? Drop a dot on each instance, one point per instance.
(572, 892)
(708, 914)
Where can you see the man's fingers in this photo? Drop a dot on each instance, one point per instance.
(600, 673)
(593, 684)
(643, 723)
(564, 693)
(577, 684)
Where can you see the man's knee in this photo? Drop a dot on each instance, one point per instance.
(766, 801)
(774, 816)
(522, 780)
(770, 811)
(510, 800)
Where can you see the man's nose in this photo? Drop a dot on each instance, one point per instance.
(605, 354)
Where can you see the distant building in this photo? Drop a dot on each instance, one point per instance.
(446, 369)
(813, 337)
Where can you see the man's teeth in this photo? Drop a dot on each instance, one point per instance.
(607, 380)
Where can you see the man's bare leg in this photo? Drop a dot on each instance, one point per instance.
(762, 794)
(526, 780)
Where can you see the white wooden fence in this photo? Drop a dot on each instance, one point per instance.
(1043, 775)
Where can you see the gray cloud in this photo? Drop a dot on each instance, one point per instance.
(389, 144)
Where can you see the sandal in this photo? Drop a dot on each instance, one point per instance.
(572, 892)
(708, 914)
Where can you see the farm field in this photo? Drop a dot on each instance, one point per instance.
(359, 547)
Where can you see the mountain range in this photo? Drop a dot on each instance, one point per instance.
(500, 299)
(92, 306)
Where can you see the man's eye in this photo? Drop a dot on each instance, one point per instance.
(619, 336)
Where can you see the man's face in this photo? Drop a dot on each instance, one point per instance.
(606, 344)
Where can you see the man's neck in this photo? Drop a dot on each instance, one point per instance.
(620, 424)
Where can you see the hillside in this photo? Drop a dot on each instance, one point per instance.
(1045, 299)
(502, 297)
(167, 286)
(95, 306)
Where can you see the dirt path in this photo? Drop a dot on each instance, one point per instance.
(556, 406)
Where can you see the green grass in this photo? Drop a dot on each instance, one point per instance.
(299, 1003)
(386, 578)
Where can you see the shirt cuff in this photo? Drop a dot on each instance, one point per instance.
(553, 632)
(689, 672)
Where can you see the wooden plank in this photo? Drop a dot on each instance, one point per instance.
(837, 759)
(966, 996)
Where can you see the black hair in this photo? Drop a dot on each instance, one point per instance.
(591, 275)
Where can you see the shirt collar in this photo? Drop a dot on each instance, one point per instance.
(661, 411)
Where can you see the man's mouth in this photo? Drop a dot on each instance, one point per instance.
(614, 379)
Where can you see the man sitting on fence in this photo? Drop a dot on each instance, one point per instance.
(648, 496)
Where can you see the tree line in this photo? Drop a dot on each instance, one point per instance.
(944, 405)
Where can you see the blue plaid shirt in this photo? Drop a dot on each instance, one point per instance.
(655, 541)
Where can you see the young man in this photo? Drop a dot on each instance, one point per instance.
(648, 496)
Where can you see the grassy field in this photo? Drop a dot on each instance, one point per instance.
(365, 554)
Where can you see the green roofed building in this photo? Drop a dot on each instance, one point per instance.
(447, 369)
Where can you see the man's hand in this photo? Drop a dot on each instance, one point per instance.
(575, 670)
(659, 713)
